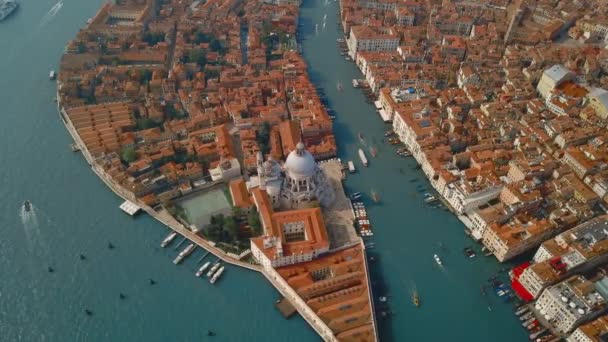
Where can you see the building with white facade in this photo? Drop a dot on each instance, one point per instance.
(553, 77)
(573, 301)
(365, 38)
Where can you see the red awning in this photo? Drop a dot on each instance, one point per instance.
(520, 290)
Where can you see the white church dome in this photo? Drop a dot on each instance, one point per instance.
(300, 162)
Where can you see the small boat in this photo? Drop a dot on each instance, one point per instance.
(375, 196)
(382, 299)
(416, 299)
(213, 269)
(27, 205)
(110, 245)
(360, 136)
(52, 75)
(202, 269)
(168, 239)
(355, 83)
(339, 86)
(521, 310)
(88, 312)
(210, 333)
(389, 133)
(372, 150)
(184, 253)
(363, 157)
(430, 199)
(438, 260)
(122, 296)
(351, 167)
(217, 275)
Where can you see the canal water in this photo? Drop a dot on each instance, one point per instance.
(407, 232)
(74, 213)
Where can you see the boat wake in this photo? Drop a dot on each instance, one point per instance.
(51, 13)
(31, 228)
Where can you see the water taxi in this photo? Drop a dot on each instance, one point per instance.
(217, 275)
(213, 269)
(202, 269)
(438, 260)
(168, 239)
(184, 253)
(362, 157)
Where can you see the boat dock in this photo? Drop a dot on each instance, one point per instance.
(130, 208)
(285, 307)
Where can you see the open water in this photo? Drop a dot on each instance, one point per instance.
(74, 213)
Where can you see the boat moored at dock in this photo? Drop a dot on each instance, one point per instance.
(168, 239)
(362, 157)
(217, 275)
(213, 269)
(184, 253)
(202, 269)
(351, 167)
(52, 75)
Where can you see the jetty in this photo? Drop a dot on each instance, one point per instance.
(130, 208)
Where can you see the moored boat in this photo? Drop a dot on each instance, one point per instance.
(362, 157)
(168, 239)
(351, 167)
(213, 269)
(217, 275)
(202, 269)
(184, 253)
(52, 75)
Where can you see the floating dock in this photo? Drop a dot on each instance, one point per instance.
(130, 208)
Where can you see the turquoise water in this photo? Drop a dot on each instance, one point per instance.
(74, 213)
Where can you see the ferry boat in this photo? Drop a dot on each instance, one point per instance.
(27, 206)
(351, 167)
(438, 260)
(362, 157)
(7, 7)
(168, 239)
(217, 275)
(184, 253)
(213, 269)
(52, 75)
(202, 269)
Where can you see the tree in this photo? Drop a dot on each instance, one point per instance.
(263, 138)
(145, 123)
(201, 37)
(128, 154)
(253, 219)
(153, 38)
(232, 228)
(198, 56)
(212, 73)
(145, 75)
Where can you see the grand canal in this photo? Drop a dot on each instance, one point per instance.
(74, 213)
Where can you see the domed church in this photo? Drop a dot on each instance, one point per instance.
(303, 181)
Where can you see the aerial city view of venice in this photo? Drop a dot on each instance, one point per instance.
(296, 170)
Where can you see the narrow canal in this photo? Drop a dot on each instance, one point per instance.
(407, 232)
